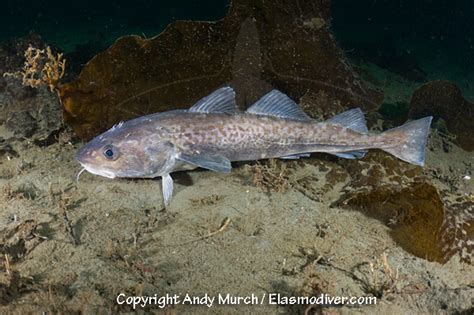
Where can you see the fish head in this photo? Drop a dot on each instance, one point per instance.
(119, 152)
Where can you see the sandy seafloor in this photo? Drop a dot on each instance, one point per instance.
(284, 235)
(290, 242)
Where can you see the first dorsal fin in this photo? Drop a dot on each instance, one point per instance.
(220, 101)
(277, 104)
(353, 119)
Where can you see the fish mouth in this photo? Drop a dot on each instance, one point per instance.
(94, 171)
(85, 161)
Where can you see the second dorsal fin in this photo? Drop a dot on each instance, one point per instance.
(220, 101)
(277, 104)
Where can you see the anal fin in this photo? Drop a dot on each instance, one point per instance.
(351, 154)
(294, 156)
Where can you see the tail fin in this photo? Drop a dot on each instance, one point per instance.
(413, 136)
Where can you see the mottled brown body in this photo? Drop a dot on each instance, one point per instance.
(214, 132)
(244, 137)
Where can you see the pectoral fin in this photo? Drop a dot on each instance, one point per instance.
(167, 187)
(215, 163)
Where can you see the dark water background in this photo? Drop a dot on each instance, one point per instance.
(429, 36)
(69, 23)
(435, 37)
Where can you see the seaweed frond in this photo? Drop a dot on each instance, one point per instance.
(41, 68)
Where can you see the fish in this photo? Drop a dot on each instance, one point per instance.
(214, 132)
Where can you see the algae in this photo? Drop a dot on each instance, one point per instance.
(258, 45)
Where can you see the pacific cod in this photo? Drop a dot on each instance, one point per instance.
(213, 133)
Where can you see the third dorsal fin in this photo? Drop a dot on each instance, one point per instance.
(353, 119)
(220, 101)
(277, 104)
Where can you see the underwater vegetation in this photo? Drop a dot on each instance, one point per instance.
(424, 220)
(374, 226)
(30, 109)
(137, 76)
(41, 67)
(257, 46)
(443, 99)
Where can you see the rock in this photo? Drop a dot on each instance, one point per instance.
(21, 123)
(29, 113)
(443, 99)
(259, 45)
(12, 51)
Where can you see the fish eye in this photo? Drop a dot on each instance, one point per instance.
(110, 152)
